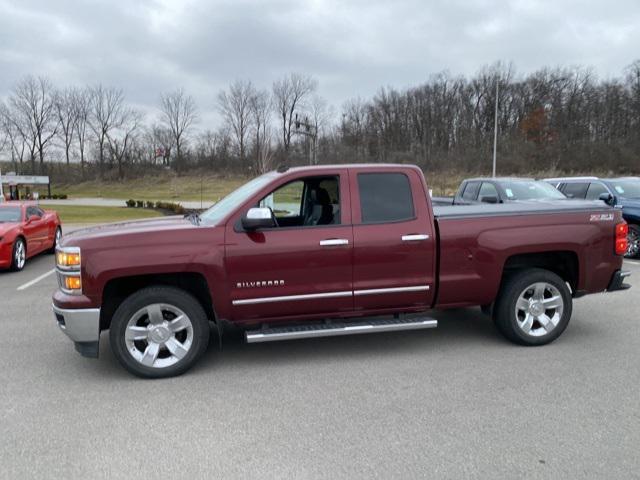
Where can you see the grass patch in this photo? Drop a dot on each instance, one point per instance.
(81, 214)
(155, 188)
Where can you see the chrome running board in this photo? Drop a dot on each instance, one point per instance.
(334, 329)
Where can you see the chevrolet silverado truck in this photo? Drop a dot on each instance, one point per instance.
(324, 251)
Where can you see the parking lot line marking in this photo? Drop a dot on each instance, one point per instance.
(36, 280)
(635, 262)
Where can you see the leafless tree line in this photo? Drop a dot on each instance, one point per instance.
(562, 119)
(95, 126)
(553, 119)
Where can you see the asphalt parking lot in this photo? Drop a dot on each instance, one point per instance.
(454, 402)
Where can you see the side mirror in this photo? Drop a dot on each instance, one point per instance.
(489, 199)
(258, 218)
(608, 199)
(32, 218)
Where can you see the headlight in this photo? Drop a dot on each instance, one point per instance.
(68, 262)
(68, 258)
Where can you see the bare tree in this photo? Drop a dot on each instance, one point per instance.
(107, 107)
(260, 110)
(235, 108)
(121, 138)
(161, 139)
(289, 93)
(33, 114)
(67, 114)
(179, 114)
(83, 103)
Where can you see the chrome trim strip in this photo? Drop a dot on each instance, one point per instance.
(312, 296)
(334, 241)
(377, 291)
(292, 298)
(415, 237)
(258, 337)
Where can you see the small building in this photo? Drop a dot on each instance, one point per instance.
(23, 187)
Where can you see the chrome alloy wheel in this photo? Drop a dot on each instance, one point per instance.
(57, 237)
(539, 309)
(159, 335)
(20, 255)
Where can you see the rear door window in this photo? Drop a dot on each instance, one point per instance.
(385, 197)
(471, 191)
(575, 190)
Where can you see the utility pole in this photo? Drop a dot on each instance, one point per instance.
(495, 130)
(304, 127)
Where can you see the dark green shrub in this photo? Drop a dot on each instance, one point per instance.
(131, 203)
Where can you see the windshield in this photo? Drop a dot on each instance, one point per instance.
(225, 206)
(9, 214)
(627, 188)
(530, 190)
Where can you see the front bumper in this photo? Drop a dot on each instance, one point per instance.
(617, 281)
(81, 325)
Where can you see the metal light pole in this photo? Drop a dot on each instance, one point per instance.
(495, 131)
(311, 131)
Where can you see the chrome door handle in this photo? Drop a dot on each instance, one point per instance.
(334, 241)
(415, 237)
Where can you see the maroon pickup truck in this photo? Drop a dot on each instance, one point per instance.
(324, 251)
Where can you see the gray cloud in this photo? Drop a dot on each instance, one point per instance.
(352, 47)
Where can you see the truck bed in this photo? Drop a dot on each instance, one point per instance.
(477, 241)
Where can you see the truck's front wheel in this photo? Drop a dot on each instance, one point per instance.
(159, 332)
(533, 307)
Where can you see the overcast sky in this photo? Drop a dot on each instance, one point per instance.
(351, 47)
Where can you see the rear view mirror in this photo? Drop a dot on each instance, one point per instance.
(258, 218)
(608, 199)
(32, 218)
(489, 199)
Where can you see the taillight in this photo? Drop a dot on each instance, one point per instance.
(622, 229)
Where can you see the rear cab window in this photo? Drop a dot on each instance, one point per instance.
(385, 197)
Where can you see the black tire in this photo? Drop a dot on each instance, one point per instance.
(508, 320)
(633, 237)
(170, 296)
(16, 265)
(55, 242)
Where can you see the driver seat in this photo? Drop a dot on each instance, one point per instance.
(321, 212)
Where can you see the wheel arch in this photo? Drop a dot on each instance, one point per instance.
(564, 263)
(118, 289)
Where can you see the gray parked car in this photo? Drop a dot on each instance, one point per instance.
(499, 190)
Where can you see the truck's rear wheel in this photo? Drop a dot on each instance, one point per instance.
(159, 332)
(533, 308)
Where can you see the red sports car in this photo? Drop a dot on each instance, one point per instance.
(26, 230)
